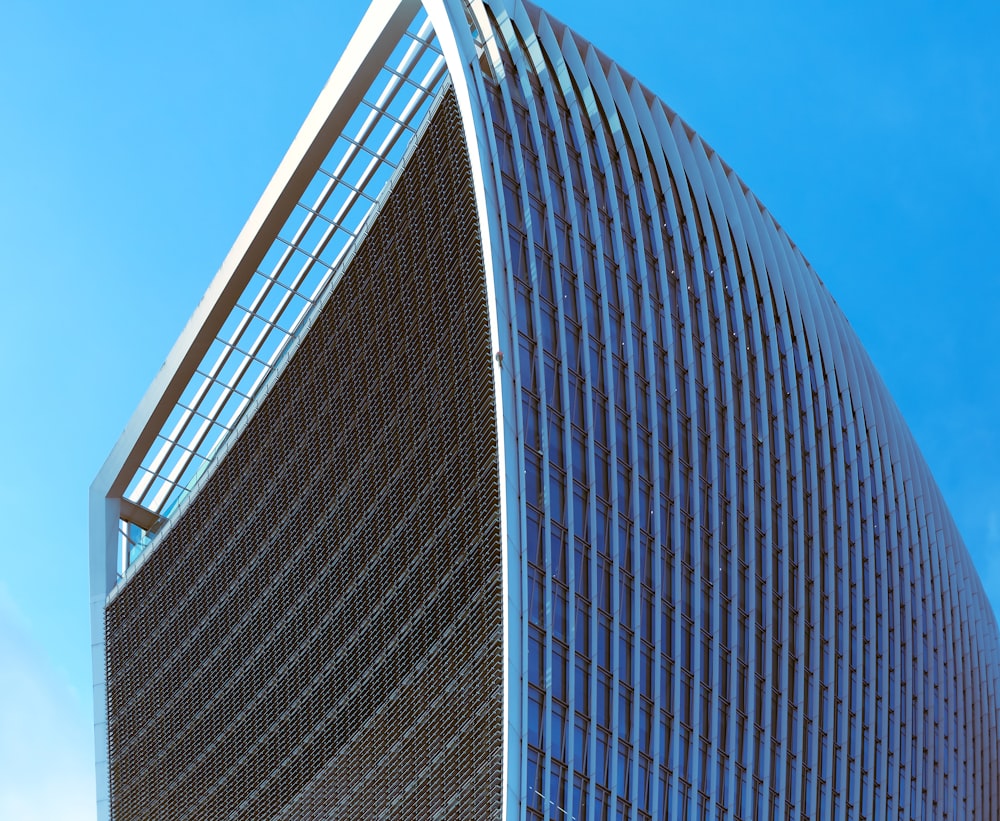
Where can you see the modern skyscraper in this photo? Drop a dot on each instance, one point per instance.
(517, 465)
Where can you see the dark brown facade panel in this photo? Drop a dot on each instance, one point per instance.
(331, 599)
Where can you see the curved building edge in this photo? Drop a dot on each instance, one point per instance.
(938, 609)
(784, 297)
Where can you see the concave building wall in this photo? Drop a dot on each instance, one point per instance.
(744, 596)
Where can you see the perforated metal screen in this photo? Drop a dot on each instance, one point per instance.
(319, 634)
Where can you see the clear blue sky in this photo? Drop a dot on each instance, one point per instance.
(136, 138)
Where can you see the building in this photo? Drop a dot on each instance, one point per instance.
(517, 465)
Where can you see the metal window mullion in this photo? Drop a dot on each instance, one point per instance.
(384, 113)
(611, 417)
(637, 137)
(881, 477)
(539, 365)
(424, 37)
(589, 456)
(179, 429)
(519, 757)
(208, 421)
(826, 493)
(630, 130)
(251, 353)
(587, 102)
(717, 190)
(794, 450)
(659, 140)
(406, 63)
(760, 320)
(291, 293)
(710, 192)
(557, 262)
(173, 477)
(359, 146)
(142, 486)
(560, 330)
(295, 285)
(792, 445)
(869, 605)
(227, 386)
(388, 142)
(321, 215)
(283, 261)
(152, 470)
(270, 282)
(407, 78)
(378, 110)
(369, 171)
(183, 448)
(522, 512)
(271, 324)
(228, 391)
(776, 260)
(220, 361)
(756, 232)
(309, 263)
(202, 416)
(671, 159)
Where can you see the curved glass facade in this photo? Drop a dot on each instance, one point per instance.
(744, 596)
(658, 542)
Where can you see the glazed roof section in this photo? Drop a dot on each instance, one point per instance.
(282, 290)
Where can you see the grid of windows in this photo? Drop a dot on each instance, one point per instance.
(743, 597)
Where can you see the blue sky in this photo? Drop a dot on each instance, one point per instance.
(136, 139)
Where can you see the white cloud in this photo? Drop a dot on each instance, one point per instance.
(46, 746)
